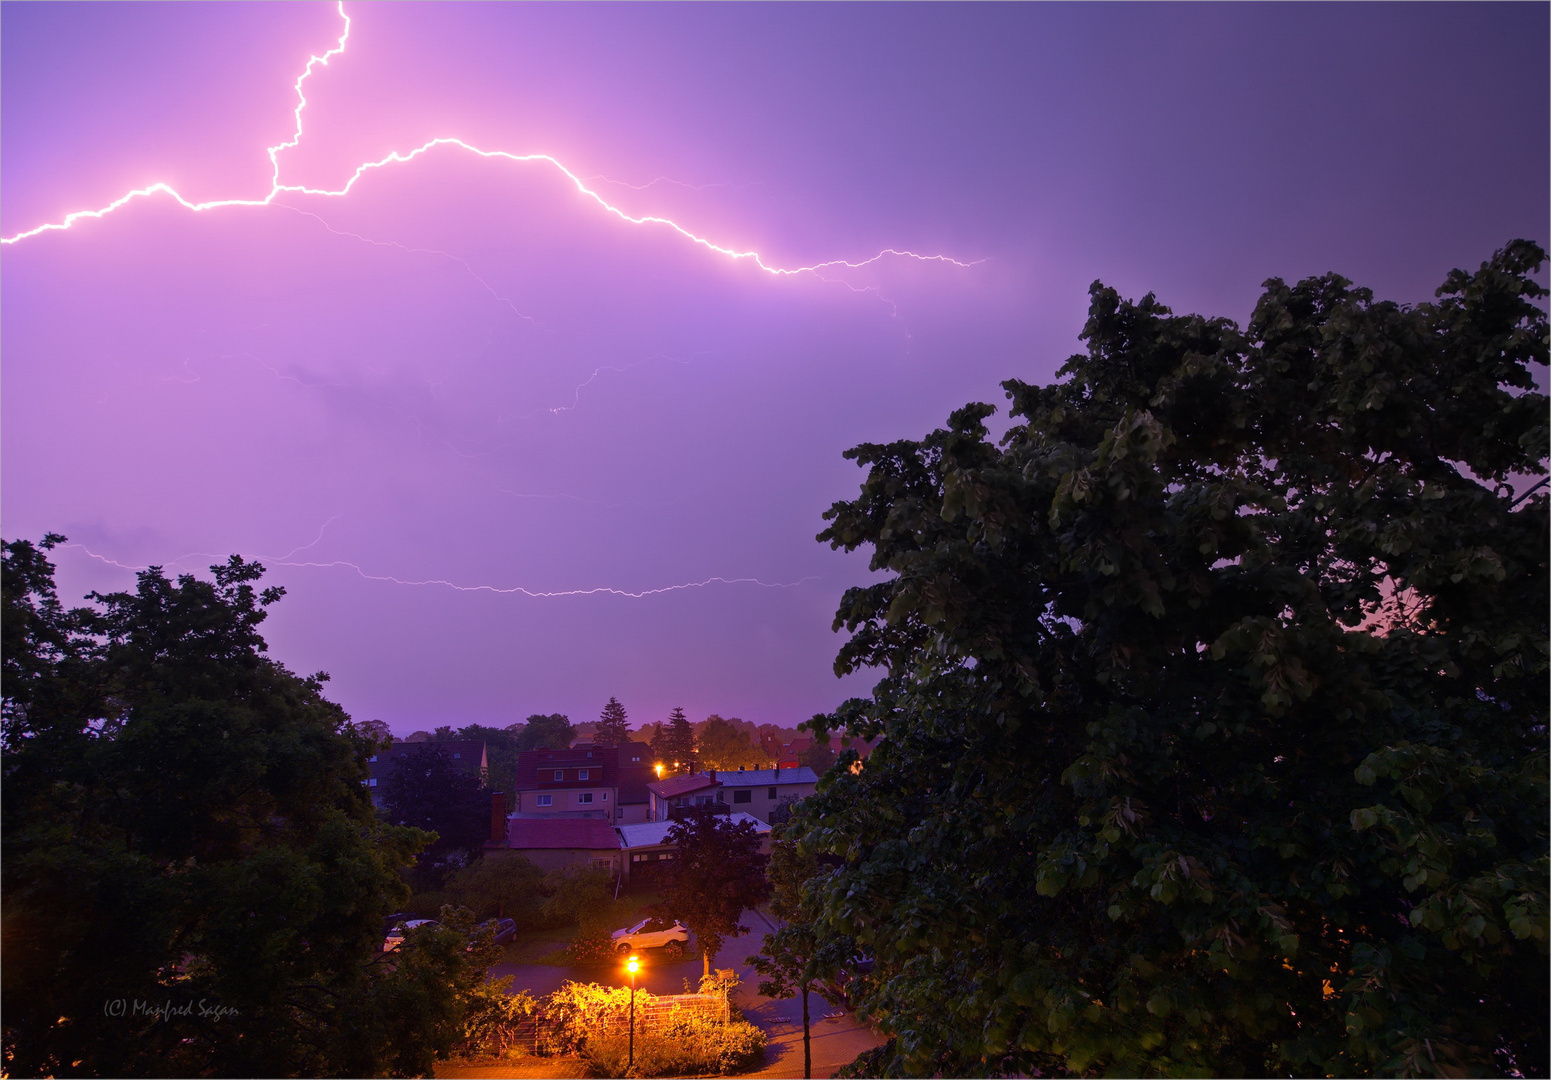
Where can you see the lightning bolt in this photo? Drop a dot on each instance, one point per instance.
(514, 590)
(278, 189)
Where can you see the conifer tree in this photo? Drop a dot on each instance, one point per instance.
(613, 730)
(675, 745)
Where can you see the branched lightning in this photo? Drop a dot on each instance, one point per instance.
(278, 189)
(499, 590)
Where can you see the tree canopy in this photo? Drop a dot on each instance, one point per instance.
(613, 725)
(674, 744)
(428, 791)
(717, 871)
(552, 732)
(723, 744)
(194, 879)
(1214, 701)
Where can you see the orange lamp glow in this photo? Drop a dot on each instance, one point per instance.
(633, 965)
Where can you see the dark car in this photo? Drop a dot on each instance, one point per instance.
(505, 929)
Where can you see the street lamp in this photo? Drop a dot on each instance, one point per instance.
(632, 966)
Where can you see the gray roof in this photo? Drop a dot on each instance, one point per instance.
(767, 777)
(652, 833)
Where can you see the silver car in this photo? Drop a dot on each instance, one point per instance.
(652, 933)
(396, 936)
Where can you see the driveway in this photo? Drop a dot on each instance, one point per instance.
(837, 1036)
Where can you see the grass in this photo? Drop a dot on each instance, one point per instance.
(548, 946)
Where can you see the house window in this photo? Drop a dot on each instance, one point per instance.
(457, 755)
(605, 796)
(770, 794)
(372, 758)
(546, 800)
(584, 797)
(559, 775)
(584, 774)
(601, 864)
(743, 795)
(372, 782)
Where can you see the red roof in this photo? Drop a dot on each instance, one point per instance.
(675, 786)
(590, 833)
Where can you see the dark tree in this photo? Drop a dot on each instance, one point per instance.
(500, 752)
(717, 871)
(551, 732)
(796, 959)
(1215, 695)
(674, 744)
(428, 791)
(722, 744)
(185, 822)
(613, 728)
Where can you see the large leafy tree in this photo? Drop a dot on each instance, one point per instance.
(1214, 706)
(428, 791)
(194, 881)
(722, 744)
(717, 871)
(613, 725)
(500, 752)
(552, 731)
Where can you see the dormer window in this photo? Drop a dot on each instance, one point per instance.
(584, 774)
(559, 775)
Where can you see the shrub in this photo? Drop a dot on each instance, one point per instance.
(685, 1044)
(493, 1017)
(507, 885)
(593, 1021)
(596, 947)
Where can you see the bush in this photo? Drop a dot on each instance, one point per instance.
(596, 947)
(685, 1044)
(582, 897)
(493, 1016)
(593, 1021)
(509, 886)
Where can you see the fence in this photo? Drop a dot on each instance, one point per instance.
(543, 1035)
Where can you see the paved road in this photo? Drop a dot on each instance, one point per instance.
(837, 1036)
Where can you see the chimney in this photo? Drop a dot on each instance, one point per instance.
(498, 818)
(778, 771)
(711, 775)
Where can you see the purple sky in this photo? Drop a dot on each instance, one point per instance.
(465, 371)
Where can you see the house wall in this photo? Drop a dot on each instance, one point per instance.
(760, 800)
(564, 800)
(631, 813)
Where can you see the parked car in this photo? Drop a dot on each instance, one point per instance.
(505, 929)
(671, 937)
(395, 937)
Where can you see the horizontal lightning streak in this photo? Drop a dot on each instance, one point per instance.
(277, 189)
(515, 590)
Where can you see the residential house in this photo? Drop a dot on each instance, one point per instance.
(466, 755)
(759, 791)
(556, 843)
(675, 792)
(585, 781)
(751, 791)
(645, 848)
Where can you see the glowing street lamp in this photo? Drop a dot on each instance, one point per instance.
(632, 966)
(658, 767)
